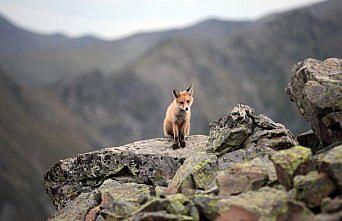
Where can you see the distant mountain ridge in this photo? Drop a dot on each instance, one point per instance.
(37, 59)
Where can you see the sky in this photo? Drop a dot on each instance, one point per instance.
(112, 19)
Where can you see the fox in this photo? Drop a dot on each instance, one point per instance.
(177, 118)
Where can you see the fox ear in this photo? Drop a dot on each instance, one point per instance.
(176, 93)
(190, 90)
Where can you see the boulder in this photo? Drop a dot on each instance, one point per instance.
(242, 129)
(312, 188)
(331, 163)
(291, 162)
(151, 162)
(264, 204)
(316, 88)
(246, 176)
(197, 172)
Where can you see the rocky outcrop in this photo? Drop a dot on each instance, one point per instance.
(249, 168)
(151, 162)
(243, 135)
(316, 89)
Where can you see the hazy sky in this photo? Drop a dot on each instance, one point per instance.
(116, 18)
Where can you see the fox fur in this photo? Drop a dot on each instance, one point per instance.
(178, 114)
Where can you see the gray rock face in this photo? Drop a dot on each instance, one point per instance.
(151, 162)
(316, 89)
(251, 134)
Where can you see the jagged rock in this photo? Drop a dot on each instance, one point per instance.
(242, 177)
(242, 129)
(316, 88)
(197, 172)
(309, 139)
(264, 204)
(331, 163)
(291, 162)
(312, 188)
(152, 162)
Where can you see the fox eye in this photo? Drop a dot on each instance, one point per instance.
(181, 102)
(188, 101)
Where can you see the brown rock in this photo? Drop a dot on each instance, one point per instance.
(331, 163)
(312, 188)
(291, 162)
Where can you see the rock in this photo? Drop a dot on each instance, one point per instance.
(110, 208)
(242, 129)
(309, 139)
(131, 192)
(158, 216)
(312, 188)
(329, 217)
(176, 204)
(332, 205)
(78, 208)
(197, 172)
(241, 155)
(151, 162)
(246, 176)
(291, 162)
(264, 204)
(316, 88)
(331, 163)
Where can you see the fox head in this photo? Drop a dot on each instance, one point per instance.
(184, 99)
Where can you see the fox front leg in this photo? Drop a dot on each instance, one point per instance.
(175, 135)
(182, 132)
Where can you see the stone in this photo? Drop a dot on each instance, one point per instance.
(331, 163)
(330, 205)
(246, 176)
(110, 208)
(242, 129)
(264, 204)
(158, 216)
(316, 88)
(291, 162)
(329, 217)
(197, 172)
(312, 188)
(151, 162)
(176, 204)
(131, 192)
(78, 208)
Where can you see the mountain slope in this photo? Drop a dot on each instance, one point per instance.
(249, 66)
(43, 59)
(35, 131)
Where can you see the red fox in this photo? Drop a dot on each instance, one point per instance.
(177, 118)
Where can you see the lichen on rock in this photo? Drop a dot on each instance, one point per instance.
(291, 162)
(242, 129)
